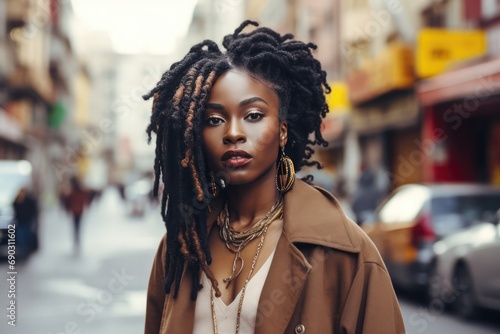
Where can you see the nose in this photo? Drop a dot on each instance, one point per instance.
(234, 134)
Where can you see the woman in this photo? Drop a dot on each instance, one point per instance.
(76, 202)
(249, 248)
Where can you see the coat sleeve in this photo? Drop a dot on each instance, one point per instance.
(156, 292)
(372, 306)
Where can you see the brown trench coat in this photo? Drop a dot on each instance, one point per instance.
(326, 277)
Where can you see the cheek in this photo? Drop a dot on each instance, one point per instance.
(266, 137)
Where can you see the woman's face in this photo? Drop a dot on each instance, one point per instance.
(242, 133)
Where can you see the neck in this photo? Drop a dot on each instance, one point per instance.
(250, 202)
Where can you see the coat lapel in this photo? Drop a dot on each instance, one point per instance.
(287, 275)
(311, 215)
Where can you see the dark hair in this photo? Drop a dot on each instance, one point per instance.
(179, 101)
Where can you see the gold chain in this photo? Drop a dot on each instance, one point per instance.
(240, 304)
(239, 240)
(235, 237)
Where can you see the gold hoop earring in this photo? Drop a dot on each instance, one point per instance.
(214, 185)
(214, 190)
(285, 176)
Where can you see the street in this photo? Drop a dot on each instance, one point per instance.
(103, 290)
(423, 318)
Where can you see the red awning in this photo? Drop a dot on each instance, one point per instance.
(478, 80)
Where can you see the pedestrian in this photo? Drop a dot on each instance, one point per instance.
(367, 197)
(76, 202)
(248, 248)
(342, 195)
(26, 218)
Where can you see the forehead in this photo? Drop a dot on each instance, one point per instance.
(234, 86)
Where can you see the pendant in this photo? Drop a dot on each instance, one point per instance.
(229, 279)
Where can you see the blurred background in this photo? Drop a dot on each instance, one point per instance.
(414, 154)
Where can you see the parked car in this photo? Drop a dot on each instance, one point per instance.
(467, 268)
(137, 196)
(14, 176)
(411, 219)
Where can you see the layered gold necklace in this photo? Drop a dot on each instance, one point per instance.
(235, 241)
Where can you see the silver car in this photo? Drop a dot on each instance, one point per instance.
(416, 216)
(466, 271)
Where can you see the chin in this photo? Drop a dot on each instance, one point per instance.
(239, 178)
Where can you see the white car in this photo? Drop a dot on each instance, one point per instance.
(137, 196)
(467, 269)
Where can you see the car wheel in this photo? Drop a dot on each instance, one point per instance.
(465, 304)
(434, 286)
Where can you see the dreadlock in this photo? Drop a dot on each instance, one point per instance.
(179, 100)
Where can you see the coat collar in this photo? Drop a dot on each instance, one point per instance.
(313, 215)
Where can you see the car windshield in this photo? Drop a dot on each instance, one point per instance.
(404, 205)
(450, 214)
(11, 183)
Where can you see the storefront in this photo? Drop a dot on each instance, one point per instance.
(386, 116)
(461, 126)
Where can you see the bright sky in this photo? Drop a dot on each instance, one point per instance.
(134, 26)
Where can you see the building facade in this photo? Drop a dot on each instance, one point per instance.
(36, 81)
(461, 100)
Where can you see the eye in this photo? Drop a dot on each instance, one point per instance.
(212, 121)
(255, 116)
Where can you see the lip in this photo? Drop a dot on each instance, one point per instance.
(235, 158)
(230, 154)
(236, 162)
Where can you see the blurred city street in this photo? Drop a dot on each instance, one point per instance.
(102, 290)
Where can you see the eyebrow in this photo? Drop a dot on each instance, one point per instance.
(252, 100)
(242, 103)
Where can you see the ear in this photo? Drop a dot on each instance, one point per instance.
(283, 133)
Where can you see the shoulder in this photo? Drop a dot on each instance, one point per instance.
(313, 215)
(161, 254)
(162, 247)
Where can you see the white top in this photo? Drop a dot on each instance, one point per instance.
(226, 314)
